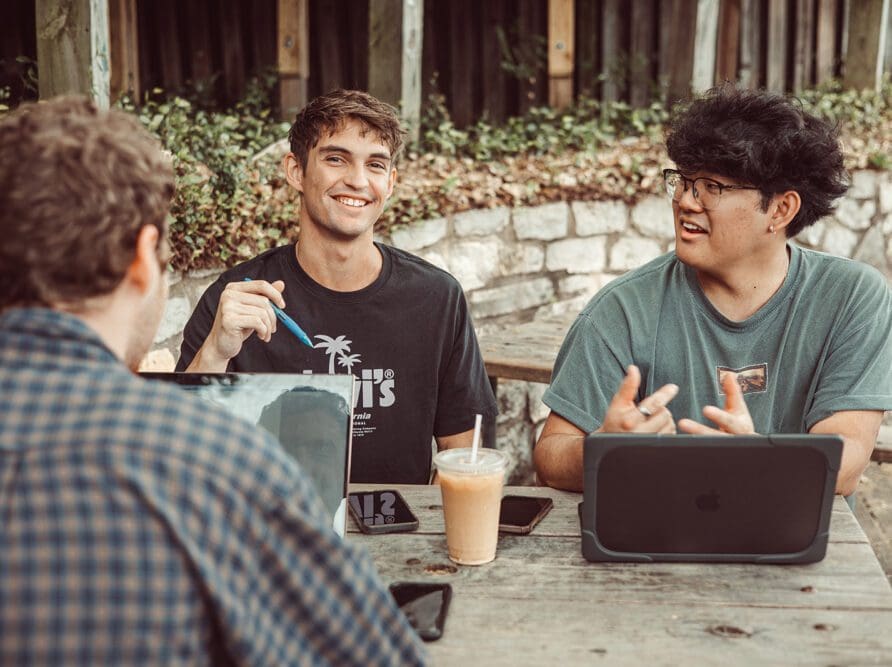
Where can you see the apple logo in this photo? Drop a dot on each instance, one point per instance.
(708, 502)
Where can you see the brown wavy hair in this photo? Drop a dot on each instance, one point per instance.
(328, 113)
(77, 183)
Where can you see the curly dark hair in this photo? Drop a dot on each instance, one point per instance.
(78, 185)
(762, 139)
(328, 113)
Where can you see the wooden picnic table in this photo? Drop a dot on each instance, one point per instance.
(527, 352)
(541, 603)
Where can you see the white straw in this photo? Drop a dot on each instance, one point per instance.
(475, 445)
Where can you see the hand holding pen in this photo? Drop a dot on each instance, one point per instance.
(245, 308)
(290, 324)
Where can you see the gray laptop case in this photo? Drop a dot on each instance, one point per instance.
(759, 499)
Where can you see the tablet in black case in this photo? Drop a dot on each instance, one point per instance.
(756, 499)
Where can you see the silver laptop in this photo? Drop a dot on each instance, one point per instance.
(311, 415)
(757, 499)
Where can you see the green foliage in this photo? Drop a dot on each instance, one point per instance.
(584, 126)
(224, 209)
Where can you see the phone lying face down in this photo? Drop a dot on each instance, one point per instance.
(383, 511)
(425, 606)
(519, 514)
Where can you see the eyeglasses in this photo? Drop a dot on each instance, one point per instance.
(707, 191)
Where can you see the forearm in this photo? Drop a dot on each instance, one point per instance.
(206, 361)
(855, 457)
(558, 461)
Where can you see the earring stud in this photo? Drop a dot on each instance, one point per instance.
(771, 229)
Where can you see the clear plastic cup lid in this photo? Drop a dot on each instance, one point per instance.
(459, 461)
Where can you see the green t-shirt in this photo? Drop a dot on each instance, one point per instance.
(820, 345)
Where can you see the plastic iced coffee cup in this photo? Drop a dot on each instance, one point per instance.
(472, 495)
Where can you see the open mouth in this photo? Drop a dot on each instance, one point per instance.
(352, 202)
(691, 228)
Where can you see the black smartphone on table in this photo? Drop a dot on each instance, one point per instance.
(519, 514)
(425, 606)
(381, 511)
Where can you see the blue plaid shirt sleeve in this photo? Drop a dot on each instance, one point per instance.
(144, 527)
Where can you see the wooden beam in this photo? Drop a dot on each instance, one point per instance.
(611, 51)
(866, 44)
(396, 30)
(803, 48)
(641, 52)
(678, 53)
(124, 51)
(776, 66)
(73, 48)
(495, 78)
(728, 42)
(588, 46)
(750, 51)
(825, 38)
(703, 75)
(292, 55)
(561, 33)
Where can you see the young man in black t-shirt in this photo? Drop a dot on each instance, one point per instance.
(400, 325)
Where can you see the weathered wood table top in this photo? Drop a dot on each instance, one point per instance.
(541, 603)
(524, 351)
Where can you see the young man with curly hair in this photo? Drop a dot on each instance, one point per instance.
(399, 324)
(141, 525)
(737, 325)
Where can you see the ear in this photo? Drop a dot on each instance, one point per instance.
(294, 173)
(391, 181)
(783, 209)
(145, 267)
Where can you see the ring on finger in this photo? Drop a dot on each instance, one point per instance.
(643, 409)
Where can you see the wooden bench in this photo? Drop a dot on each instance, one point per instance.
(882, 453)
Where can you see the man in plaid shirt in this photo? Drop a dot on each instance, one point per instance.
(140, 525)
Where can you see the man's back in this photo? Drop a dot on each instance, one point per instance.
(142, 527)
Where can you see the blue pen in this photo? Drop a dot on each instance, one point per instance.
(290, 324)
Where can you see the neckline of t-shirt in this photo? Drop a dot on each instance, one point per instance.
(343, 297)
(785, 291)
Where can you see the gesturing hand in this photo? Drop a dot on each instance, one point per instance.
(649, 416)
(735, 418)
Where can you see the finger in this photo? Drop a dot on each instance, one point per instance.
(726, 421)
(245, 318)
(660, 398)
(734, 400)
(259, 287)
(628, 388)
(669, 428)
(696, 428)
(656, 424)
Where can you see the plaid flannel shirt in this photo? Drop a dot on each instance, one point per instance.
(143, 526)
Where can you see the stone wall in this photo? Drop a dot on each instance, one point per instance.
(520, 264)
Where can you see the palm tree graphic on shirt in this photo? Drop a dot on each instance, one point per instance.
(348, 360)
(335, 347)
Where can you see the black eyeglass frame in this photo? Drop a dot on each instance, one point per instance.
(667, 173)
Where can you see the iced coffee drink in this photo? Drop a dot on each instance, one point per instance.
(472, 494)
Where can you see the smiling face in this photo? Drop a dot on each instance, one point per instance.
(348, 178)
(734, 234)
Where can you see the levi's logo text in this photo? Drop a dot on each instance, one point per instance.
(372, 387)
(371, 515)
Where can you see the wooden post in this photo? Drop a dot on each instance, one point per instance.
(728, 43)
(293, 21)
(641, 52)
(825, 46)
(560, 53)
(703, 74)
(776, 66)
(610, 51)
(677, 50)
(396, 29)
(868, 24)
(803, 50)
(124, 40)
(750, 50)
(73, 48)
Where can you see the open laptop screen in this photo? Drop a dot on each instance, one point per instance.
(311, 415)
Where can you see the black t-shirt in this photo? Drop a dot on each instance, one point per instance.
(407, 338)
